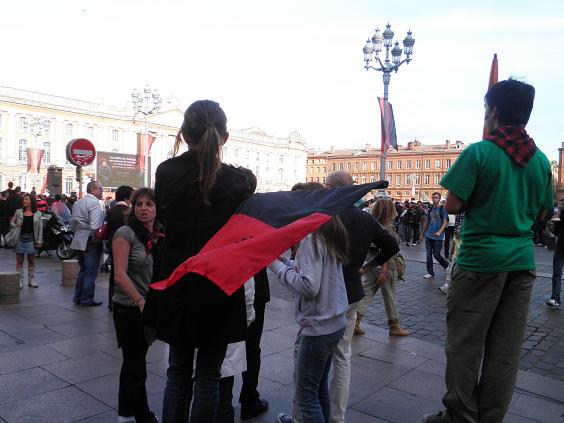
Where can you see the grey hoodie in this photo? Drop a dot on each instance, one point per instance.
(320, 296)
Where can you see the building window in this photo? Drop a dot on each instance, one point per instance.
(372, 179)
(364, 166)
(68, 129)
(324, 169)
(341, 166)
(408, 164)
(417, 164)
(22, 151)
(115, 135)
(23, 123)
(258, 158)
(356, 166)
(398, 164)
(390, 165)
(437, 178)
(372, 164)
(46, 153)
(334, 166)
(427, 164)
(389, 179)
(225, 151)
(311, 170)
(417, 179)
(90, 132)
(426, 179)
(407, 180)
(364, 179)
(318, 169)
(281, 159)
(69, 185)
(398, 180)
(437, 164)
(447, 163)
(236, 152)
(47, 127)
(348, 166)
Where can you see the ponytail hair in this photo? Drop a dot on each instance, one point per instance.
(204, 130)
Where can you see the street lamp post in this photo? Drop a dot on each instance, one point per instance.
(146, 102)
(371, 52)
(35, 126)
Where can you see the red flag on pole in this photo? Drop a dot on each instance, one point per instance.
(44, 186)
(34, 156)
(389, 137)
(492, 81)
(140, 160)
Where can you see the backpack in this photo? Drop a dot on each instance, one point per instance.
(441, 208)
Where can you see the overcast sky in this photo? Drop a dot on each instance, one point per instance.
(295, 65)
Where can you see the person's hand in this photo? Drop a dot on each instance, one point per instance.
(141, 304)
(19, 225)
(382, 277)
(363, 270)
(437, 234)
(38, 244)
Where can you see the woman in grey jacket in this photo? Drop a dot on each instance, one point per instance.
(316, 279)
(29, 235)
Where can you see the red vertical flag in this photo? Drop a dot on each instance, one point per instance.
(492, 81)
(140, 162)
(34, 156)
(388, 128)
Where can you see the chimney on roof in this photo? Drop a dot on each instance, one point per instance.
(332, 149)
(447, 144)
(410, 145)
(367, 147)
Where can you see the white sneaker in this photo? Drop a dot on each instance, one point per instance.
(553, 303)
(443, 289)
(428, 276)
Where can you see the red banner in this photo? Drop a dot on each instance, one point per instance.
(388, 129)
(34, 156)
(140, 161)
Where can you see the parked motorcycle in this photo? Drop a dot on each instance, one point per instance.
(56, 236)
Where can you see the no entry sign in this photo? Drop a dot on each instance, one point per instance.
(81, 152)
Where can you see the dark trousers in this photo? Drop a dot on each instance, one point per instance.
(557, 264)
(178, 390)
(88, 260)
(130, 335)
(449, 233)
(415, 229)
(249, 393)
(486, 318)
(433, 248)
(225, 411)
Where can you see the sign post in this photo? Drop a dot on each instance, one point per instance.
(80, 152)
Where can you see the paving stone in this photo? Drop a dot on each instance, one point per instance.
(84, 368)
(537, 408)
(28, 357)
(63, 405)
(421, 384)
(84, 345)
(39, 336)
(278, 368)
(27, 383)
(397, 406)
(392, 355)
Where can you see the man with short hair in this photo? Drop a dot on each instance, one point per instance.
(14, 202)
(504, 184)
(362, 230)
(87, 216)
(433, 231)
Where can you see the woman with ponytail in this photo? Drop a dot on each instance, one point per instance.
(196, 194)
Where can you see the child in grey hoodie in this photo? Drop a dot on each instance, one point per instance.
(315, 278)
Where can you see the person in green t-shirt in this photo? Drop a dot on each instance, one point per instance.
(503, 184)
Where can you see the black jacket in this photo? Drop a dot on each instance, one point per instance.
(363, 230)
(194, 311)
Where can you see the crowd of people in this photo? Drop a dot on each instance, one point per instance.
(333, 274)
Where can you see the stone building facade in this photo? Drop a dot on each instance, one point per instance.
(413, 171)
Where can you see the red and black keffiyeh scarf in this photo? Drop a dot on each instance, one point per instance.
(515, 141)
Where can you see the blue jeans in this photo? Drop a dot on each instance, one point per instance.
(314, 357)
(88, 260)
(557, 263)
(433, 248)
(178, 390)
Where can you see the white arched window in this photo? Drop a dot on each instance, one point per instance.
(46, 153)
(22, 150)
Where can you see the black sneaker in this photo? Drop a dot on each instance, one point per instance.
(257, 408)
(284, 418)
(434, 418)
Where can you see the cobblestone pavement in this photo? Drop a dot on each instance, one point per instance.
(422, 310)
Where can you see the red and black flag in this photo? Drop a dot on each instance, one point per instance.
(389, 137)
(263, 227)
